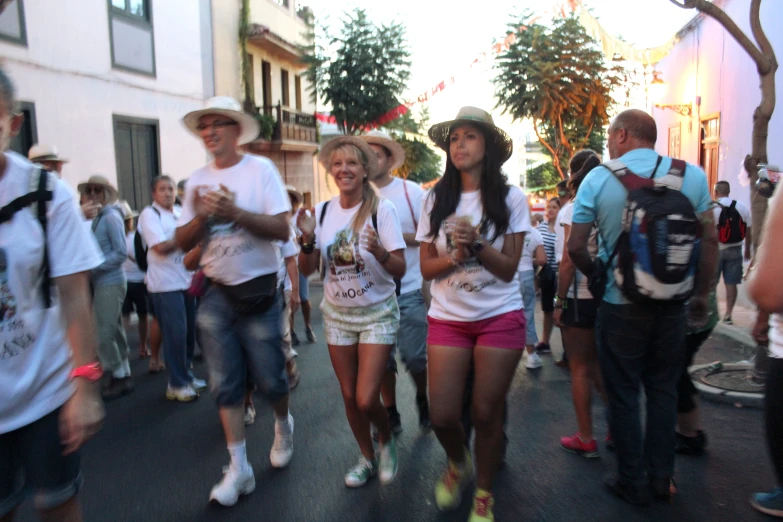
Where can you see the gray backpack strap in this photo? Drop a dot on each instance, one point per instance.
(674, 178)
(616, 167)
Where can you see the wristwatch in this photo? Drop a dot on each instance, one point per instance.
(92, 372)
(477, 246)
(561, 302)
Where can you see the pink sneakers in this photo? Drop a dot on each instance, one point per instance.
(575, 444)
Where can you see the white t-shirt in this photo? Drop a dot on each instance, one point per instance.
(566, 217)
(353, 277)
(233, 255)
(560, 233)
(743, 212)
(395, 192)
(471, 292)
(533, 240)
(164, 273)
(287, 249)
(35, 358)
(775, 336)
(133, 273)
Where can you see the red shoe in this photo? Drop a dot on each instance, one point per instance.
(575, 444)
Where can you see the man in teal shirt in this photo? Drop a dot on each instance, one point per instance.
(640, 344)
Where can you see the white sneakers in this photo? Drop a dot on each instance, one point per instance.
(250, 414)
(235, 482)
(533, 361)
(184, 394)
(283, 448)
(198, 385)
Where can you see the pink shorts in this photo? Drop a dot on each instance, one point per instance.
(502, 331)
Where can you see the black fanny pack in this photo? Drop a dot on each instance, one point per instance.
(252, 297)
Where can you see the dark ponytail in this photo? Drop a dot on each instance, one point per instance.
(580, 165)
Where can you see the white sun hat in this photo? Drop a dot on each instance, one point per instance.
(230, 108)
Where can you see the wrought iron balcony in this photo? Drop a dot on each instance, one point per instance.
(291, 125)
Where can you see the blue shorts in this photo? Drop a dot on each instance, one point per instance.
(32, 463)
(235, 344)
(412, 335)
(730, 265)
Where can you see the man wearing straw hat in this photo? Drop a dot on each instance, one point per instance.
(46, 155)
(236, 206)
(412, 335)
(109, 285)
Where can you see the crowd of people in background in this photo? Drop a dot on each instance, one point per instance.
(448, 278)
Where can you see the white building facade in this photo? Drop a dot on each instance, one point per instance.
(717, 86)
(108, 81)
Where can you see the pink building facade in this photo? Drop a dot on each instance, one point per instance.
(709, 70)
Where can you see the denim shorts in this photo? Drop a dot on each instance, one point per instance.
(375, 324)
(730, 265)
(412, 335)
(528, 290)
(235, 344)
(32, 463)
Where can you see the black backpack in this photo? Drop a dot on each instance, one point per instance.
(139, 248)
(658, 249)
(41, 185)
(397, 282)
(731, 226)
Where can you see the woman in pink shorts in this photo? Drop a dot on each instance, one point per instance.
(471, 234)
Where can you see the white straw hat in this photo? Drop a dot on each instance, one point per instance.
(230, 108)
(42, 152)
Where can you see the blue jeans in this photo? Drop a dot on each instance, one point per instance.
(412, 335)
(642, 346)
(235, 344)
(528, 288)
(176, 314)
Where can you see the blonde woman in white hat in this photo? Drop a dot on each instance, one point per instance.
(471, 233)
(237, 206)
(109, 284)
(357, 236)
(406, 197)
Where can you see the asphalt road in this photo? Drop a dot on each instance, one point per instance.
(156, 460)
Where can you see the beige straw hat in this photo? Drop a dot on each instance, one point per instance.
(97, 179)
(440, 132)
(230, 108)
(329, 147)
(377, 137)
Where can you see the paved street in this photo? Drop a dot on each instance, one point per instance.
(156, 460)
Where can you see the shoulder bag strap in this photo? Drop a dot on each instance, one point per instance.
(410, 205)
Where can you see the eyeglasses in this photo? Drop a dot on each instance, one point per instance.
(215, 125)
(93, 189)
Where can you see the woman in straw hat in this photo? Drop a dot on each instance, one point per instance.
(471, 233)
(109, 285)
(360, 239)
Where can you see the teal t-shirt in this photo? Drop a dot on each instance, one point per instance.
(601, 199)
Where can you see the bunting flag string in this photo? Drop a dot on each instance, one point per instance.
(610, 45)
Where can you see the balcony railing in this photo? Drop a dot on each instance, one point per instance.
(291, 124)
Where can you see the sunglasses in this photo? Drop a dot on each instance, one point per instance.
(215, 125)
(93, 189)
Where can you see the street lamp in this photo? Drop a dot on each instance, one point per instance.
(657, 90)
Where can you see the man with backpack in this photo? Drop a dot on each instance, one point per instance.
(658, 248)
(109, 285)
(48, 365)
(733, 221)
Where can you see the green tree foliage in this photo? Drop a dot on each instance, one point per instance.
(541, 176)
(363, 71)
(556, 76)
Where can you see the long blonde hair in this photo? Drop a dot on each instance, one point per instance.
(369, 197)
